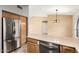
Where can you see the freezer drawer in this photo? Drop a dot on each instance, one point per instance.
(11, 45)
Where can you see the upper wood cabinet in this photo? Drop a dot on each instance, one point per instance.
(10, 15)
(23, 29)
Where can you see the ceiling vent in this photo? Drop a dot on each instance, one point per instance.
(18, 6)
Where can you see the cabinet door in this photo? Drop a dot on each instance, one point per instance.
(32, 48)
(23, 29)
(65, 49)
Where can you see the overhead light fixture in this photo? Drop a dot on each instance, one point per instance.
(56, 20)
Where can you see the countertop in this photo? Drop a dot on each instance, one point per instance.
(67, 41)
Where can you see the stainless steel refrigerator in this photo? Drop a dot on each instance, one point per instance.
(11, 34)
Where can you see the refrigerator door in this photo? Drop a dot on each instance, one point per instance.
(4, 34)
(17, 32)
(9, 29)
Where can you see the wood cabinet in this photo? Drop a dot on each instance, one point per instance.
(66, 49)
(10, 15)
(32, 46)
(23, 29)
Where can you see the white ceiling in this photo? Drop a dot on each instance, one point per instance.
(43, 10)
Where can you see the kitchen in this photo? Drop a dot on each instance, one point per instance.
(57, 29)
(40, 29)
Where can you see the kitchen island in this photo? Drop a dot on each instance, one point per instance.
(66, 41)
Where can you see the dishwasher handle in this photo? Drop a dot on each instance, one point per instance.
(48, 46)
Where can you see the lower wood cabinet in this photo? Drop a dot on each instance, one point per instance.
(66, 49)
(32, 46)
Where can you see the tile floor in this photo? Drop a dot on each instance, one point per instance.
(23, 49)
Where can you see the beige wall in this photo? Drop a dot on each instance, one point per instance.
(36, 24)
(61, 29)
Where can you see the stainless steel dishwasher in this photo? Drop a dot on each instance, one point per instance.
(47, 47)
